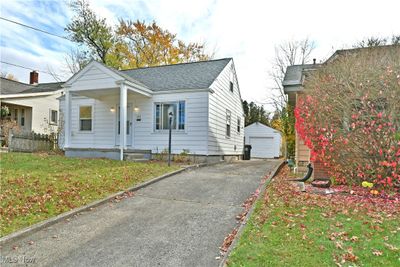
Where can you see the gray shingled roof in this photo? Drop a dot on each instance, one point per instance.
(44, 87)
(195, 75)
(9, 87)
(294, 74)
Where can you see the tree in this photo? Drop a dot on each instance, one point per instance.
(254, 113)
(287, 54)
(132, 44)
(144, 44)
(9, 76)
(349, 116)
(91, 31)
(378, 41)
(76, 60)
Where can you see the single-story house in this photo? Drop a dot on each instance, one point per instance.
(265, 141)
(34, 106)
(203, 99)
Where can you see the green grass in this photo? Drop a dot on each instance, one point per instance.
(289, 229)
(35, 187)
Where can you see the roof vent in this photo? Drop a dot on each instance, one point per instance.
(33, 77)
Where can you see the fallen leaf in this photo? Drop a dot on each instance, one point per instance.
(377, 252)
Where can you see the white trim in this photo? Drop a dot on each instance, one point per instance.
(51, 122)
(92, 64)
(183, 91)
(123, 106)
(30, 94)
(79, 118)
(136, 88)
(177, 130)
(67, 118)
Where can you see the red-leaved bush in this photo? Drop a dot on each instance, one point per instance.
(349, 116)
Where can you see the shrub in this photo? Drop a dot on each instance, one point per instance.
(349, 116)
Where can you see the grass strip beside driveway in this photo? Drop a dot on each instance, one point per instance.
(35, 187)
(289, 228)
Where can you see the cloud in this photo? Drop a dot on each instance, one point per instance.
(245, 30)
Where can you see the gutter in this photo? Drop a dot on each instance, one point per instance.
(30, 94)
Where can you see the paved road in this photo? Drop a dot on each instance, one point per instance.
(179, 221)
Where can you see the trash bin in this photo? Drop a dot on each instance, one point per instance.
(247, 152)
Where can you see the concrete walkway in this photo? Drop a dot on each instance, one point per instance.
(179, 221)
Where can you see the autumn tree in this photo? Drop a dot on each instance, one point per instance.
(130, 44)
(144, 44)
(349, 116)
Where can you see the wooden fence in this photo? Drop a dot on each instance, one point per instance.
(31, 142)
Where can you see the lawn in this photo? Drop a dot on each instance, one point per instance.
(289, 228)
(35, 187)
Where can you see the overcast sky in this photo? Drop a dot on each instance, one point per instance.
(247, 30)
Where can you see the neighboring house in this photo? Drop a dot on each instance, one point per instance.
(34, 106)
(293, 86)
(265, 141)
(204, 98)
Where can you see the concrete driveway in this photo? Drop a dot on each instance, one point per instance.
(179, 221)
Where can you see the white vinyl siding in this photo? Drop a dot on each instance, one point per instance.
(220, 100)
(36, 111)
(192, 138)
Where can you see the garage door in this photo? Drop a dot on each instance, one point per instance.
(262, 147)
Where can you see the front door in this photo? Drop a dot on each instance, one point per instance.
(128, 126)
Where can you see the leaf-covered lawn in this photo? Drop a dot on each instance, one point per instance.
(290, 228)
(35, 187)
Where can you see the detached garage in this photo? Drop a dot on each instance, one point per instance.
(265, 141)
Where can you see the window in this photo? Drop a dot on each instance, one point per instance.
(228, 123)
(16, 115)
(22, 117)
(85, 118)
(53, 116)
(231, 79)
(238, 125)
(162, 111)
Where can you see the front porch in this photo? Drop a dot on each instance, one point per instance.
(96, 120)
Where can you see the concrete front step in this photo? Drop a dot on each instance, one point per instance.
(136, 157)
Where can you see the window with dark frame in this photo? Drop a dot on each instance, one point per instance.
(162, 115)
(228, 123)
(231, 86)
(22, 117)
(16, 115)
(53, 116)
(238, 125)
(85, 118)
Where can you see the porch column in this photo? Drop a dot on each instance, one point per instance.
(67, 118)
(122, 118)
